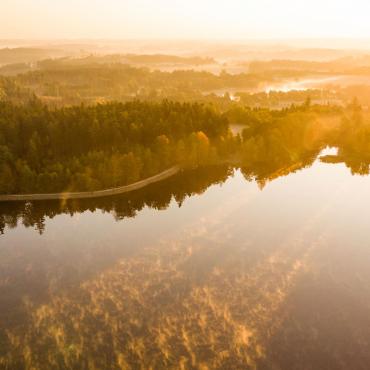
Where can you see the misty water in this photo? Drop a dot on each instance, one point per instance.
(205, 270)
(330, 82)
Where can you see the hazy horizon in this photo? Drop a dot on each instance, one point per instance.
(268, 48)
(164, 19)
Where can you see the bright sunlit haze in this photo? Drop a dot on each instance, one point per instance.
(184, 184)
(192, 19)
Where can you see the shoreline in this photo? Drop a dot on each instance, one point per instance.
(93, 194)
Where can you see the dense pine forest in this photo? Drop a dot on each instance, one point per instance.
(85, 148)
(89, 148)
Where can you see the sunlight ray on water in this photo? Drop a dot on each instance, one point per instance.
(209, 284)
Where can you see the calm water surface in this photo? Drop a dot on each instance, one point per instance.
(234, 278)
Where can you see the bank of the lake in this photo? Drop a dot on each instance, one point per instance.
(92, 194)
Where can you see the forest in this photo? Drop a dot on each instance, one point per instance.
(89, 148)
(86, 148)
(69, 81)
(96, 122)
(98, 79)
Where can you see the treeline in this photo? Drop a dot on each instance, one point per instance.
(132, 59)
(14, 90)
(10, 91)
(280, 99)
(74, 81)
(97, 79)
(165, 59)
(27, 55)
(120, 81)
(276, 143)
(96, 147)
(344, 65)
(352, 138)
(13, 61)
(85, 148)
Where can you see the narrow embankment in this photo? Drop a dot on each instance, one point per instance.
(93, 194)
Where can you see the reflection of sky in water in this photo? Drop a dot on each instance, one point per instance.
(297, 85)
(235, 276)
(317, 83)
(301, 85)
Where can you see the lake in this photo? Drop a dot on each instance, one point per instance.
(205, 270)
(331, 82)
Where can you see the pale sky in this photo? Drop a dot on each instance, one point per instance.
(189, 19)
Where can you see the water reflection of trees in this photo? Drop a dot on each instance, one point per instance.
(156, 196)
(352, 138)
(285, 145)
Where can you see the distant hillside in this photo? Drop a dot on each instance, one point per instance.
(27, 55)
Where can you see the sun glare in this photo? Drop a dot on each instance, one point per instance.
(233, 19)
